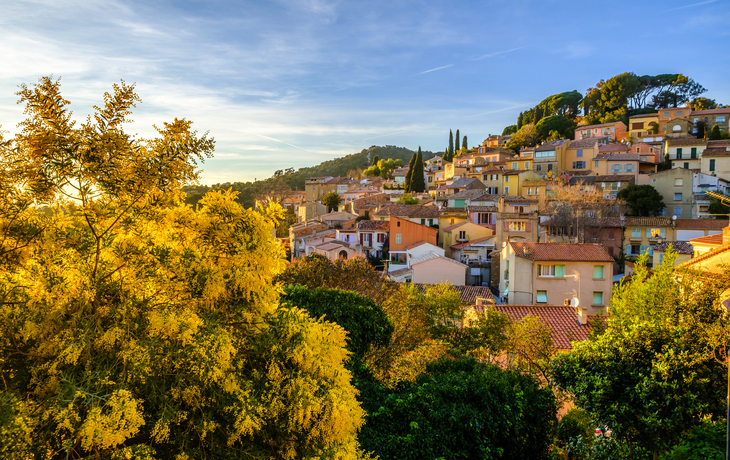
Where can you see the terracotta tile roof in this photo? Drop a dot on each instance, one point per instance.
(716, 152)
(594, 222)
(551, 145)
(338, 215)
(613, 148)
(704, 224)
(708, 255)
(645, 115)
(514, 172)
(648, 222)
(680, 247)
(465, 182)
(373, 225)
(615, 178)
(467, 294)
(619, 156)
(431, 256)
(453, 227)
(562, 251)
(519, 199)
(400, 272)
(563, 323)
(468, 194)
(680, 141)
(482, 209)
(416, 244)
(310, 229)
(449, 210)
(709, 239)
(408, 210)
(719, 143)
(583, 143)
(474, 241)
(710, 112)
(587, 180)
(596, 126)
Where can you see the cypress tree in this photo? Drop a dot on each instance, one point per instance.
(409, 174)
(451, 144)
(375, 160)
(520, 118)
(464, 145)
(457, 148)
(418, 184)
(445, 156)
(715, 134)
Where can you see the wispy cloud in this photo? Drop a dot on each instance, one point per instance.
(285, 143)
(498, 53)
(434, 70)
(706, 2)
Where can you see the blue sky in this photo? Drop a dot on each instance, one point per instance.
(292, 83)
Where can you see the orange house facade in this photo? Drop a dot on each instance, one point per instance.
(404, 233)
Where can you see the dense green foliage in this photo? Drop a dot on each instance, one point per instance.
(415, 180)
(365, 321)
(643, 200)
(564, 126)
(332, 200)
(463, 410)
(706, 441)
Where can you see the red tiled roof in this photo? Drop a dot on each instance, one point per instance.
(408, 210)
(416, 244)
(372, 225)
(470, 242)
(596, 126)
(583, 143)
(719, 143)
(710, 111)
(562, 251)
(648, 222)
(615, 178)
(467, 294)
(645, 115)
(704, 224)
(680, 141)
(716, 152)
(708, 255)
(710, 239)
(482, 209)
(563, 321)
(618, 156)
(453, 227)
(613, 148)
(519, 199)
(453, 210)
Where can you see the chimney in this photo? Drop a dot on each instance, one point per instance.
(581, 315)
(726, 236)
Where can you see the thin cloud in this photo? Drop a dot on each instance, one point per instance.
(707, 2)
(285, 143)
(498, 53)
(434, 70)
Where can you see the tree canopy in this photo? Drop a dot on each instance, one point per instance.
(132, 325)
(643, 200)
(332, 200)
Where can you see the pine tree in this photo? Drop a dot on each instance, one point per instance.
(464, 144)
(418, 184)
(715, 134)
(409, 174)
(457, 148)
(520, 119)
(451, 145)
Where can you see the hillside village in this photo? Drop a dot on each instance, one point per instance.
(535, 229)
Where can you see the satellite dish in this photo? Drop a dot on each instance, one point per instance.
(674, 217)
(504, 244)
(574, 302)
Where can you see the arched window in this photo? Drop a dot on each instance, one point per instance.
(343, 255)
(676, 128)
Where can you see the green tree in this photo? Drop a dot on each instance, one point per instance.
(418, 183)
(464, 143)
(332, 200)
(703, 103)
(375, 160)
(643, 200)
(718, 209)
(705, 442)
(131, 323)
(407, 198)
(451, 145)
(564, 126)
(715, 134)
(456, 146)
(463, 409)
(407, 185)
(527, 136)
(511, 129)
(649, 376)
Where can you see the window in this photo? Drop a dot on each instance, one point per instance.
(430, 179)
(678, 211)
(678, 182)
(615, 168)
(541, 297)
(720, 119)
(712, 165)
(579, 153)
(515, 165)
(506, 190)
(550, 166)
(693, 152)
(679, 154)
(635, 232)
(527, 165)
(579, 165)
(516, 226)
(629, 168)
(596, 163)
(679, 113)
(655, 232)
(686, 166)
(666, 114)
(545, 154)
(397, 238)
(397, 224)
(635, 250)
(485, 176)
(598, 298)
(551, 271)
(538, 167)
(529, 191)
(677, 197)
(423, 221)
(462, 235)
(598, 272)
(506, 178)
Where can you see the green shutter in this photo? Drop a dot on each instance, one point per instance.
(648, 233)
(598, 298)
(598, 272)
(458, 203)
(542, 296)
(539, 270)
(662, 233)
(560, 271)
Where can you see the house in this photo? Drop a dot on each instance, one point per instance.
(452, 216)
(683, 191)
(580, 154)
(669, 114)
(682, 249)
(298, 233)
(477, 255)
(465, 183)
(643, 125)
(404, 233)
(705, 244)
(453, 172)
(535, 189)
(338, 219)
(469, 295)
(425, 263)
(606, 231)
(616, 131)
(611, 185)
(685, 152)
(547, 274)
(517, 219)
(492, 180)
(524, 161)
(714, 261)
(642, 233)
(335, 250)
(482, 215)
(474, 196)
(316, 187)
(624, 163)
(687, 229)
(712, 117)
(651, 152)
(310, 210)
(512, 181)
(613, 147)
(461, 233)
(567, 324)
(369, 204)
(293, 199)
(399, 176)
(359, 192)
(548, 157)
(372, 234)
(716, 159)
(418, 213)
